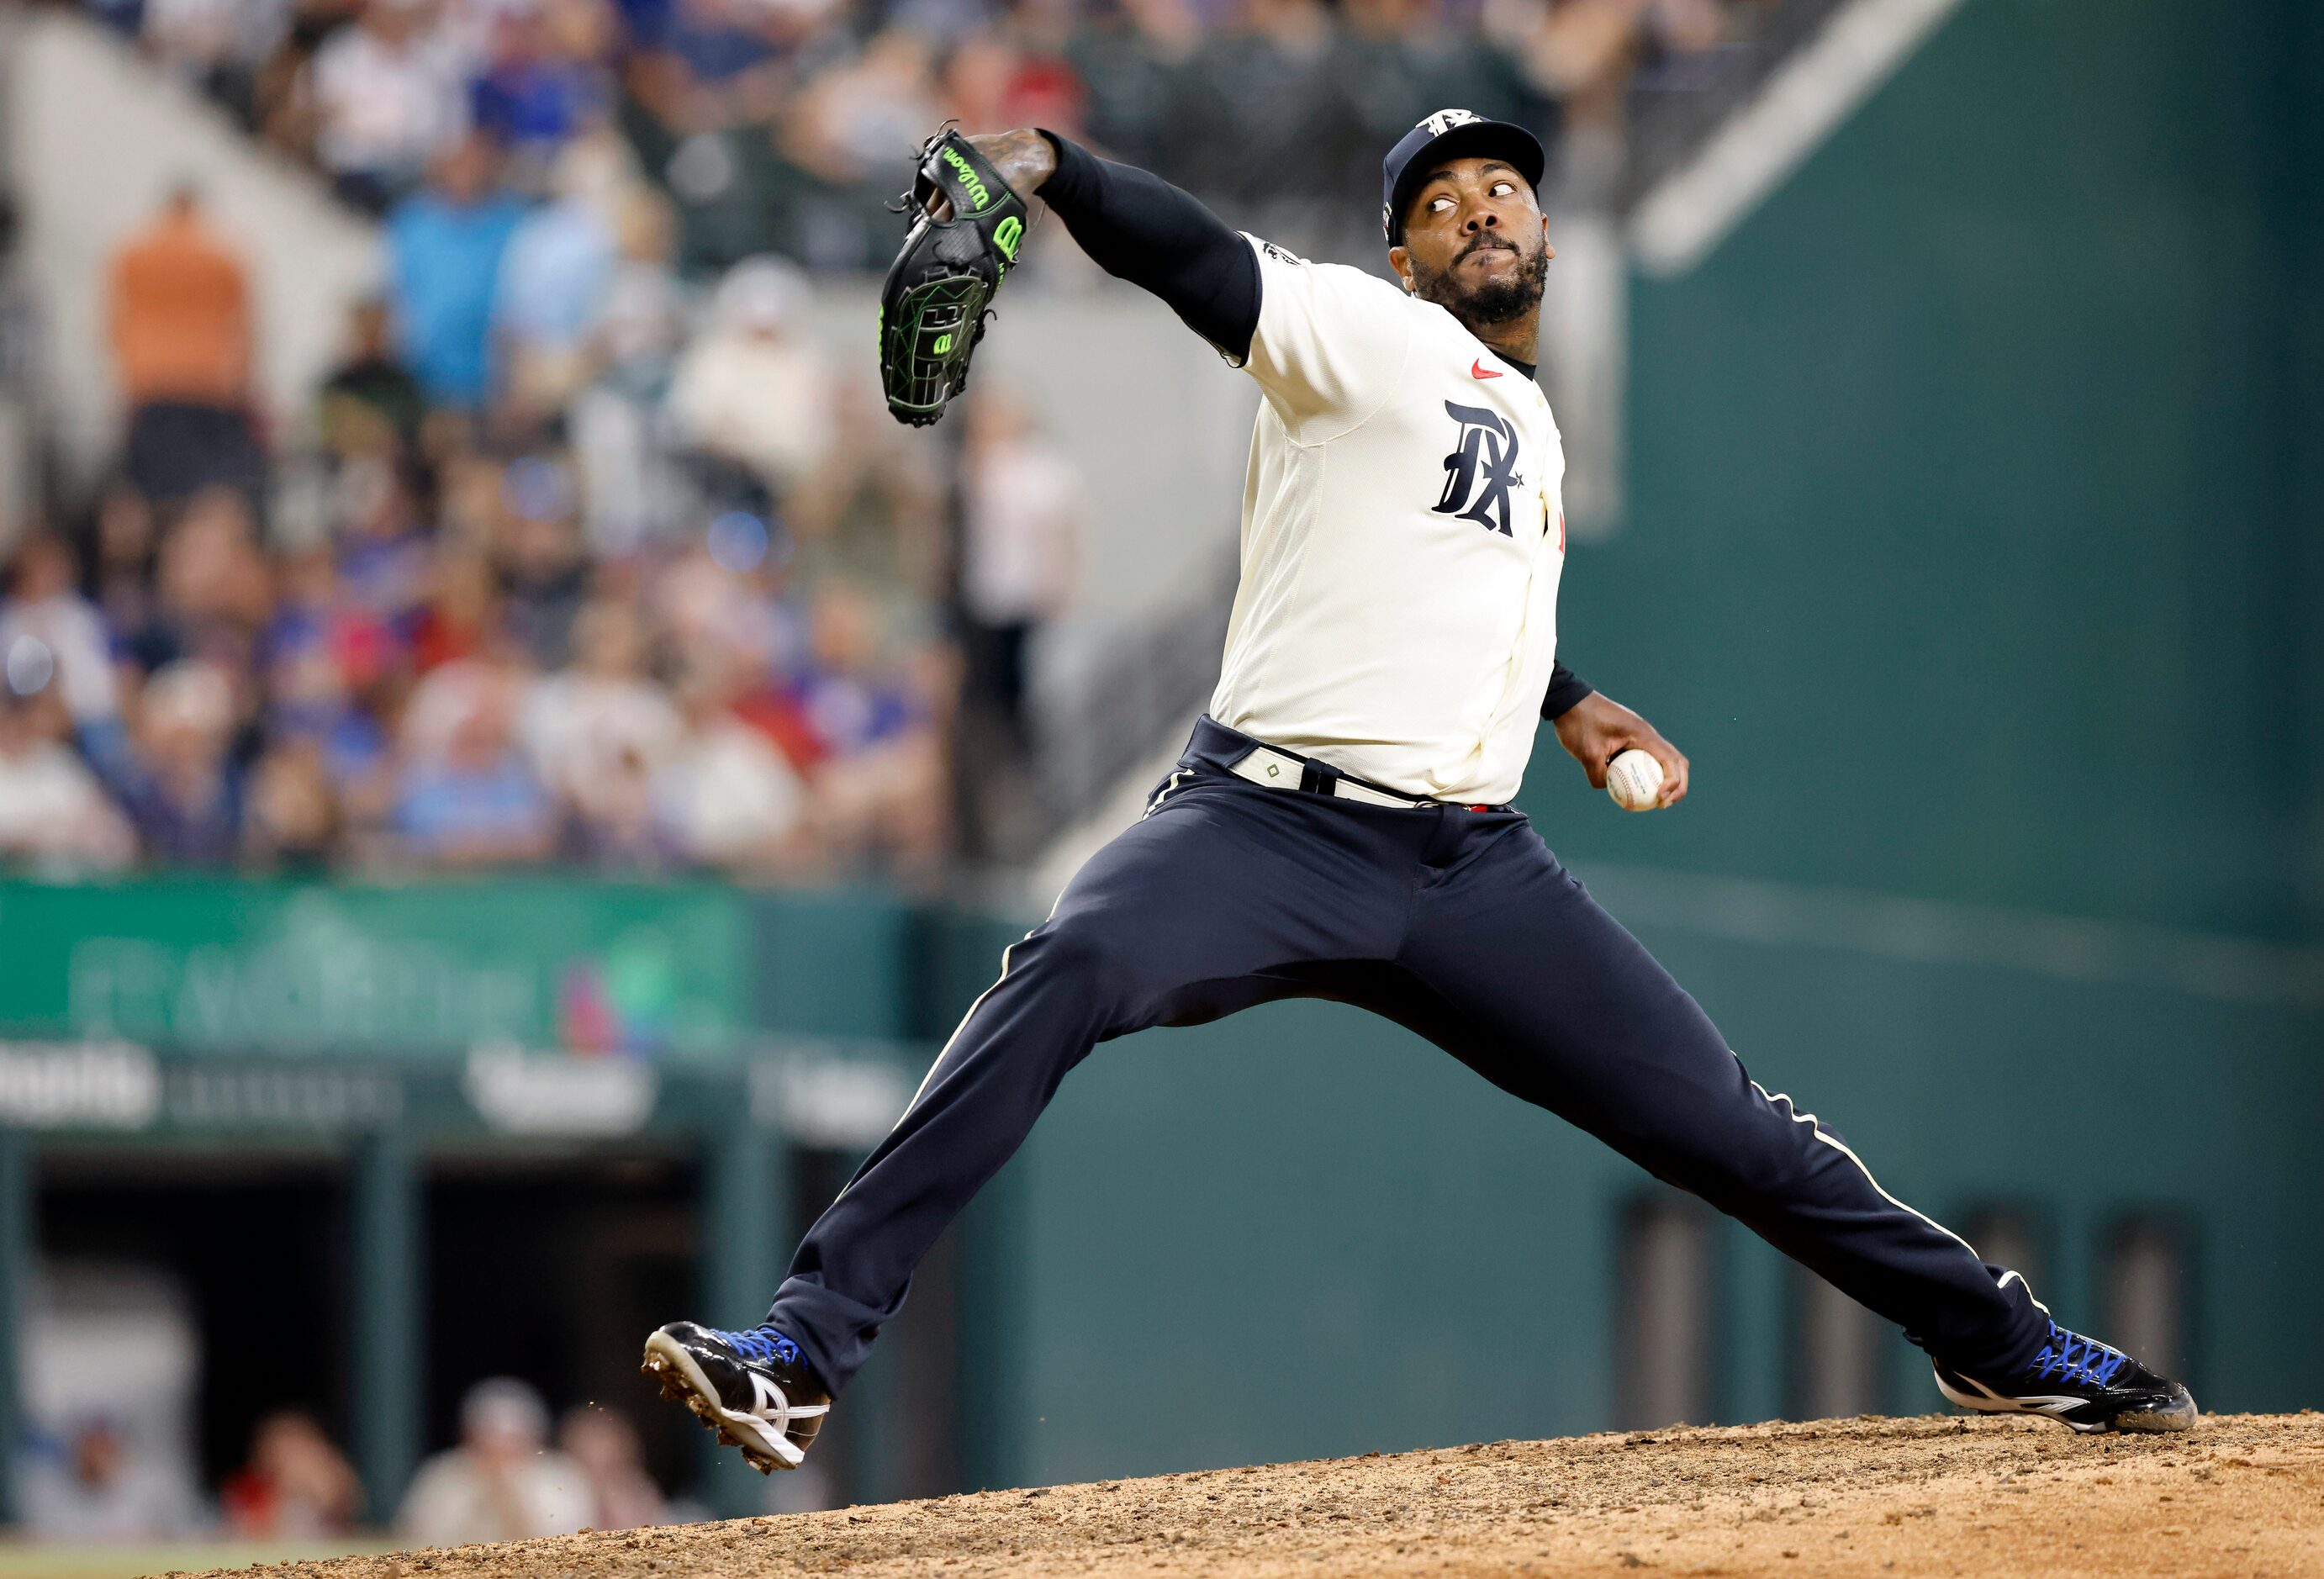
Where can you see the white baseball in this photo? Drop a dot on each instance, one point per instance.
(1635, 780)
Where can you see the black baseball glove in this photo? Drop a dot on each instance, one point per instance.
(932, 306)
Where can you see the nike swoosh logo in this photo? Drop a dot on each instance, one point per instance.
(1477, 369)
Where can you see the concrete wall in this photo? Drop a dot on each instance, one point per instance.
(1158, 425)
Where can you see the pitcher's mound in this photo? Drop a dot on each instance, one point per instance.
(2243, 1495)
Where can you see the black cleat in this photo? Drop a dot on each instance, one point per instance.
(2080, 1382)
(752, 1387)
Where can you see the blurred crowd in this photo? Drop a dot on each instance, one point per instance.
(587, 551)
(781, 125)
(509, 1477)
(582, 567)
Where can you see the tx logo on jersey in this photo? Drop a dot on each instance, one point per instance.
(1481, 469)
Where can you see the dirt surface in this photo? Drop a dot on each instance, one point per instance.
(2244, 1495)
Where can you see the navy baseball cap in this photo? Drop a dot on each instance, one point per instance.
(1451, 134)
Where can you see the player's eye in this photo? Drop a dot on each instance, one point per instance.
(1502, 188)
(1439, 205)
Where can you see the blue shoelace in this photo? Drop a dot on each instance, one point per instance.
(2074, 1359)
(762, 1343)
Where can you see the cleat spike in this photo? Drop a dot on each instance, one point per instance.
(752, 1391)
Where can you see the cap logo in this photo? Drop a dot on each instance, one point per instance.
(1444, 121)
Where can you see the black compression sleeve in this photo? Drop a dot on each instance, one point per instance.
(1138, 228)
(1565, 688)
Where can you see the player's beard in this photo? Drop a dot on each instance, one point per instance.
(1494, 301)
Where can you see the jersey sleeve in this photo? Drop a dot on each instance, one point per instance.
(1331, 342)
(1566, 688)
(1138, 228)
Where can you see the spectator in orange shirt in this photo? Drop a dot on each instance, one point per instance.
(180, 311)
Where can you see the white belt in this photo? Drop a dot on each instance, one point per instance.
(1275, 769)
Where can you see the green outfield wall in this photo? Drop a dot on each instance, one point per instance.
(1302, 1231)
(1974, 554)
(427, 968)
(1975, 547)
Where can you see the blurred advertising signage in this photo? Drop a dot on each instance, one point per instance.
(427, 969)
(85, 1085)
(331, 1099)
(825, 1094)
(121, 1087)
(517, 1092)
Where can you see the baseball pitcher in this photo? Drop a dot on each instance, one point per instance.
(1339, 825)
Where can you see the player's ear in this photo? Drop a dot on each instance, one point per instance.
(1548, 247)
(1399, 258)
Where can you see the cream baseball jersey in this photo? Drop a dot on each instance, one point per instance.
(1402, 541)
(1401, 556)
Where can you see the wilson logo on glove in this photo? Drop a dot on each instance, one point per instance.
(966, 225)
(978, 193)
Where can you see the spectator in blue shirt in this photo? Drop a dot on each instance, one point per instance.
(445, 244)
(534, 95)
(713, 42)
(475, 802)
(554, 280)
(185, 797)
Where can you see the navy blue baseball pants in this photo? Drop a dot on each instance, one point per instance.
(1456, 923)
